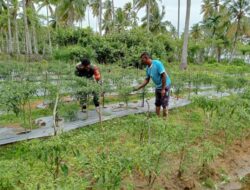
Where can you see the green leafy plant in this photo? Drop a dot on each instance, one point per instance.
(53, 156)
(16, 97)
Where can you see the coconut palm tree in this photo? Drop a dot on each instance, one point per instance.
(240, 11)
(185, 42)
(215, 24)
(14, 15)
(196, 32)
(150, 5)
(210, 8)
(10, 42)
(28, 45)
(49, 11)
(69, 11)
(131, 15)
(211, 16)
(108, 17)
(100, 17)
(120, 21)
(178, 22)
(113, 9)
(156, 23)
(3, 6)
(32, 21)
(4, 28)
(212, 23)
(97, 6)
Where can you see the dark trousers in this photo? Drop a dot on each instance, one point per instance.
(162, 101)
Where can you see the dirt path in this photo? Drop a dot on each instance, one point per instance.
(234, 167)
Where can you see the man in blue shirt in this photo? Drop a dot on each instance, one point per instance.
(157, 72)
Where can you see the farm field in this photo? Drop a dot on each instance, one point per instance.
(124, 95)
(196, 147)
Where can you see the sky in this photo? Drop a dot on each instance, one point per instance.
(171, 8)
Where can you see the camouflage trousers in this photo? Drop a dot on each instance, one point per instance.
(83, 98)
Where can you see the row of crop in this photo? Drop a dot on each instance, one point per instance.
(17, 94)
(140, 148)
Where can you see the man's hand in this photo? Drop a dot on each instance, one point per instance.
(135, 88)
(163, 93)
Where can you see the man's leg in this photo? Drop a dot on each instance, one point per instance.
(96, 99)
(83, 97)
(165, 112)
(97, 105)
(83, 102)
(158, 110)
(165, 102)
(158, 102)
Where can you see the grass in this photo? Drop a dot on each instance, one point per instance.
(115, 150)
(123, 153)
(8, 119)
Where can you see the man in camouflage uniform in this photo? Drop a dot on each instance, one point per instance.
(87, 70)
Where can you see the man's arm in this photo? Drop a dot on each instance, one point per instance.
(145, 82)
(97, 74)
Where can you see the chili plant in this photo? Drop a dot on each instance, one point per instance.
(149, 160)
(178, 87)
(53, 157)
(108, 168)
(209, 152)
(209, 106)
(16, 96)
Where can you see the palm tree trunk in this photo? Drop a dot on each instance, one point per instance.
(6, 40)
(100, 17)
(216, 6)
(16, 37)
(185, 42)
(34, 40)
(178, 24)
(34, 32)
(10, 44)
(148, 14)
(132, 13)
(56, 18)
(48, 28)
(218, 54)
(113, 10)
(88, 17)
(2, 40)
(27, 33)
(235, 39)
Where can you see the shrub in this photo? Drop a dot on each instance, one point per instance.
(238, 62)
(73, 53)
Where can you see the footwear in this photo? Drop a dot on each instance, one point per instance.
(165, 112)
(84, 111)
(158, 111)
(84, 108)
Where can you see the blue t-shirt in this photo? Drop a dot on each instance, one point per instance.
(155, 71)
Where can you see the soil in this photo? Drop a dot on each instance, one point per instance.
(35, 103)
(235, 163)
(13, 125)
